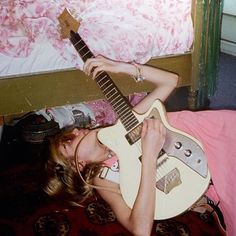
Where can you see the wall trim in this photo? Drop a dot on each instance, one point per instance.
(228, 47)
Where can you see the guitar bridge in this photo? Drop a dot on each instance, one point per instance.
(169, 181)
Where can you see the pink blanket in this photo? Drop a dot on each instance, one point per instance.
(217, 132)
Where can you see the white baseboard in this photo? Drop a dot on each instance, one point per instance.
(228, 47)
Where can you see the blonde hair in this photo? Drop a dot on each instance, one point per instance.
(62, 179)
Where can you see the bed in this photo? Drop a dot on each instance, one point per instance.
(27, 87)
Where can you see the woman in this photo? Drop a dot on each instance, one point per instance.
(77, 154)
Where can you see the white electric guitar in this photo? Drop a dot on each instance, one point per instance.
(182, 174)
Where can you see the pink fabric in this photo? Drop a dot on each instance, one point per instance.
(127, 30)
(111, 161)
(103, 112)
(216, 130)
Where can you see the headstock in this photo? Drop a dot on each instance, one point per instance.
(67, 23)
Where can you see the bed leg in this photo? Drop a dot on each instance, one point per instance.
(192, 99)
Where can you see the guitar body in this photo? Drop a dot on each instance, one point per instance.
(179, 185)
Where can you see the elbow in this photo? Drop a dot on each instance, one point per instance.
(175, 81)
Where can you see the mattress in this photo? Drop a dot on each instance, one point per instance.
(126, 30)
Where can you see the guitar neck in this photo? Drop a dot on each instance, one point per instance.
(119, 103)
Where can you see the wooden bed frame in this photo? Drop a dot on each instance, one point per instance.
(23, 94)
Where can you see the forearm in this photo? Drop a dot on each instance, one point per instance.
(165, 82)
(142, 214)
(152, 140)
(152, 74)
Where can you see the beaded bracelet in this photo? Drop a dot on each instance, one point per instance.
(138, 77)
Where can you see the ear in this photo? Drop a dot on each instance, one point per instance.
(75, 131)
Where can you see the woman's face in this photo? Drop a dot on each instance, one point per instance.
(89, 149)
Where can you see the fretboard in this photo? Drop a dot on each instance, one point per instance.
(119, 103)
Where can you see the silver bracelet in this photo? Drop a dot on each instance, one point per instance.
(138, 77)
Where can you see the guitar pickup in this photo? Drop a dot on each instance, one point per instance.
(134, 135)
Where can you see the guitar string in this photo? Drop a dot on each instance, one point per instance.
(161, 170)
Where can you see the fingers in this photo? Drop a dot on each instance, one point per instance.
(92, 66)
(151, 124)
(92, 63)
(98, 64)
(152, 138)
(154, 129)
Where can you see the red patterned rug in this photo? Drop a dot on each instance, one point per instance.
(26, 210)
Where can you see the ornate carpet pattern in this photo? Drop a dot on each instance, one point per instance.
(26, 210)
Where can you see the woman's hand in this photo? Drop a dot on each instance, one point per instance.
(152, 137)
(95, 65)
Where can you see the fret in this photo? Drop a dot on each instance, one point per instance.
(114, 105)
(80, 49)
(120, 104)
(123, 111)
(124, 121)
(78, 43)
(107, 88)
(127, 118)
(102, 77)
(85, 54)
(104, 84)
(98, 75)
(130, 122)
(131, 126)
(115, 95)
(112, 92)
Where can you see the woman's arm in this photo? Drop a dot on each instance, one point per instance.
(164, 81)
(139, 219)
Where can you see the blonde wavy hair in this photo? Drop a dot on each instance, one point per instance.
(63, 180)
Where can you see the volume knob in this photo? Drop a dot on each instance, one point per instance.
(178, 145)
(187, 153)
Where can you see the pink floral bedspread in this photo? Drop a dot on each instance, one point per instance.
(128, 30)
